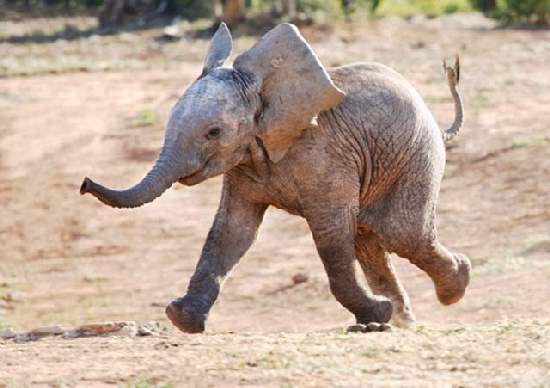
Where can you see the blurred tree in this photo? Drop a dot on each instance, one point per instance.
(234, 12)
(111, 13)
(217, 8)
(275, 10)
(374, 4)
(486, 6)
(347, 7)
(289, 8)
(116, 12)
(527, 11)
(350, 6)
(283, 8)
(516, 11)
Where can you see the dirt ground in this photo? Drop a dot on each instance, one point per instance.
(68, 260)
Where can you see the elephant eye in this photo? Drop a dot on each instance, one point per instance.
(213, 133)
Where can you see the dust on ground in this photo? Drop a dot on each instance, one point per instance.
(69, 260)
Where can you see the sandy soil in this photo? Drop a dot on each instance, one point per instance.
(68, 260)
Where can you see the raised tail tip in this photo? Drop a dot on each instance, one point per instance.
(452, 72)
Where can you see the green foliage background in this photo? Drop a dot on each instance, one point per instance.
(509, 11)
(523, 11)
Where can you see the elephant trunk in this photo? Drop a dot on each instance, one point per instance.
(163, 174)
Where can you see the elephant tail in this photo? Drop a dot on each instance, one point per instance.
(453, 76)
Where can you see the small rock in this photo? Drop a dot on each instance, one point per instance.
(358, 328)
(125, 328)
(300, 278)
(127, 331)
(48, 330)
(172, 32)
(150, 328)
(71, 334)
(13, 296)
(24, 337)
(8, 334)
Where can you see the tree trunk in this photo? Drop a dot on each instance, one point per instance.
(289, 8)
(218, 11)
(111, 14)
(275, 10)
(346, 5)
(234, 12)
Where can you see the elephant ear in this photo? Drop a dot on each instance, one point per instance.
(219, 49)
(295, 87)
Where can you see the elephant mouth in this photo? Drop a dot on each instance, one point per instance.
(201, 174)
(192, 179)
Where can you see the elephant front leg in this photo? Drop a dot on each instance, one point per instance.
(381, 276)
(334, 235)
(231, 235)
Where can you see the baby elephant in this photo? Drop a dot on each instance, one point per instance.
(354, 150)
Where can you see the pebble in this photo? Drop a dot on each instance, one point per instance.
(172, 32)
(24, 337)
(300, 278)
(125, 328)
(150, 328)
(48, 330)
(113, 328)
(71, 334)
(7, 334)
(356, 328)
(13, 296)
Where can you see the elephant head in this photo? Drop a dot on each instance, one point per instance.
(274, 91)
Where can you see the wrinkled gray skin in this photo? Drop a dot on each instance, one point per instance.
(355, 151)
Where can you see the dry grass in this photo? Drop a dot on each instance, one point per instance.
(506, 353)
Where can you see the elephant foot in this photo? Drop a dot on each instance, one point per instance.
(185, 320)
(454, 289)
(371, 327)
(379, 311)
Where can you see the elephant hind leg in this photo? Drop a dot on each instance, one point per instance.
(449, 271)
(405, 221)
(381, 277)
